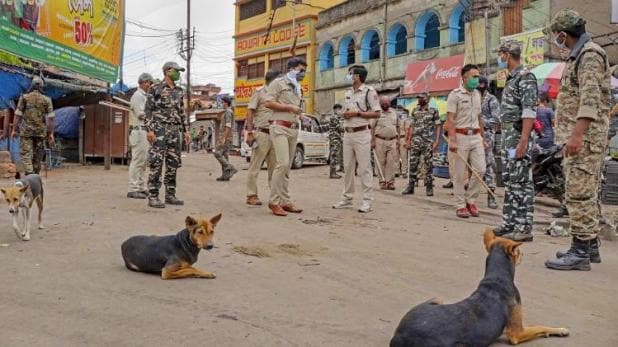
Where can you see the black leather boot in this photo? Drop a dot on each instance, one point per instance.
(491, 201)
(173, 200)
(333, 173)
(409, 189)
(154, 202)
(595, 255)
(429, 189)
(577, 259)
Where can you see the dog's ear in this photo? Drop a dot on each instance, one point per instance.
(488, 238)
(214, 220)
(2, 190)
(190, 222)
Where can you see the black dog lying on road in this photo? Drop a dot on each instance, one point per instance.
(494, 308)
(173, 255)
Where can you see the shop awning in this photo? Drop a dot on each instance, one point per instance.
(442, 74)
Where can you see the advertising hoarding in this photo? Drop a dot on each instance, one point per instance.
(84, 36)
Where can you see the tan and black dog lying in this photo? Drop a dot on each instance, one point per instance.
(172, 256)
(493, 309)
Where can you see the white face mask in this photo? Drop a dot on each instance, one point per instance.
(559, 44)
(348, 79)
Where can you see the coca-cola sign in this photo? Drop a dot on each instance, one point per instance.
(433, 75)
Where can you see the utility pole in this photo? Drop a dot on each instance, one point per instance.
(189, 53)
(186, 45)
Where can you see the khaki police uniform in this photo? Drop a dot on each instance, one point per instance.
(264, 150)
(138, 142)
(284, 137)
(386, 141)
(466, 105)
(357, 140)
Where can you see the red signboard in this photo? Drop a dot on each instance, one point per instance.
(433, 75)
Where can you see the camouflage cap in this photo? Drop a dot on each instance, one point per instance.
(512, 47)
(37, 82)
(565, 20)
(172, 65)
(145, 77)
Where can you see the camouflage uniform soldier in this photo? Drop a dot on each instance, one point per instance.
(518, 114)
(34, 108)
(422, 138)
(582, 125)
(163, 121)
(224, 142)
(490, 110)
(335, 139)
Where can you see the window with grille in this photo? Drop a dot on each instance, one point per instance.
(432, 32)
(255, 71)
(252, 8)
(281, 64)
(242, 68)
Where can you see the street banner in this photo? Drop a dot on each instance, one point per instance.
(434, 75)
(532, 46)
(84, 36)
(614, 19)
(475, 43)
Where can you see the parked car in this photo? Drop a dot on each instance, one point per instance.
(312, 143)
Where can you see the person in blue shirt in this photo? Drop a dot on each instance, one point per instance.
(546, 116)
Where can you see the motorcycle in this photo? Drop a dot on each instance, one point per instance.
(547, 172)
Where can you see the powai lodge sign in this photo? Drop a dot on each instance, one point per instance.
(278, 37)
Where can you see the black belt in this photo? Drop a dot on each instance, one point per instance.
(356, 129)
(264, 130)
(137, 127)
(386, 138)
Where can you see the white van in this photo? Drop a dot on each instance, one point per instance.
(312, 143)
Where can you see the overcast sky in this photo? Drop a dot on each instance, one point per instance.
(146, 49)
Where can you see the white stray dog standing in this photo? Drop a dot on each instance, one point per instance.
(20, 198)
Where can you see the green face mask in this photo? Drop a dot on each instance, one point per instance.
(472, 83)
(175, 75)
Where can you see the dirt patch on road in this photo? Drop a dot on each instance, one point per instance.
(292, 250)
(269, 251)
(251, 251)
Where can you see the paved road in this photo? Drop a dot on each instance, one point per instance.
(332, 278)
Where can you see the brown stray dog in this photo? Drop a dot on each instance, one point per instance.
(479, 320)
(172, 256)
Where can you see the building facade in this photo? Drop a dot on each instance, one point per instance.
(388, 36)
(267, 34)
(385, 36)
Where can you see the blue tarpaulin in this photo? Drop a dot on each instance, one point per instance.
(67, 122)
(12, 85)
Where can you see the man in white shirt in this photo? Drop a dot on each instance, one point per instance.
(138, 143)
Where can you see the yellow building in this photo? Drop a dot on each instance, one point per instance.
(258, 49)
